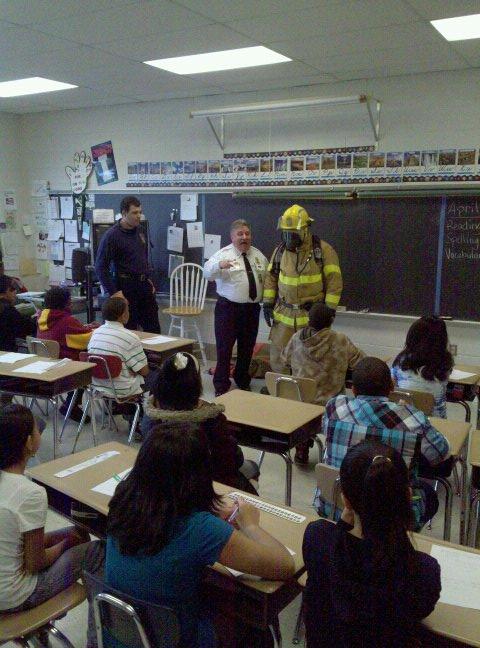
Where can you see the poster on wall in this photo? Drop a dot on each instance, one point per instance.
(104, 161)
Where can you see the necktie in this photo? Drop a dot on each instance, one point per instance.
(252, 286)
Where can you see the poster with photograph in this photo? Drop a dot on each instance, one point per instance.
(104, 161)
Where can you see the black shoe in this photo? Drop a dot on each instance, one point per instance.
(76, 413)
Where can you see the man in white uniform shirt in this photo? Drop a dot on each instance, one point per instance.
(239, 271)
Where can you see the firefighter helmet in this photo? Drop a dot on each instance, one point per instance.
(294, 218)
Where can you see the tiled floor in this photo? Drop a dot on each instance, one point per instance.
(271, 487)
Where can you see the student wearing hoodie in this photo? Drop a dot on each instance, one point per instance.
(175, 399)
(322, 354)
(56, 322)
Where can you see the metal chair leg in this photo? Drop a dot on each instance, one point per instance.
(260, 459)
(71, 405)
(447, 524)
(55, 632)
(134, 422)
(299, 626)
(80, 425)
(288, 477)
(276, 634)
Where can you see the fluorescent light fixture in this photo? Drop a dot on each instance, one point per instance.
(32, 85)
(460, 28)
(244, 57)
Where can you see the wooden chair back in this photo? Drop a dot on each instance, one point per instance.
(188, 288)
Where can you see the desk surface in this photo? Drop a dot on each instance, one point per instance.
(50, 376)
(459, 623)
(79, 485)
(475, 450)
(473, 369)
(267, 412)
(176, 343)
(456, 432)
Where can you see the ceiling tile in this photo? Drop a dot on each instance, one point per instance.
(229, 10)
(32, 12)
(469, 50)
(283, 82)
(436, 9)
(257, 74)
(18, 42)
(137, 20)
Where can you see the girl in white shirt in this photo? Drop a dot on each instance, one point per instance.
(425, 363)
(34, 565)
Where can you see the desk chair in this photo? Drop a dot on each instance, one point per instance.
(294, 388)
(188, 288)
(328, 481)
(136, 623)
(423, 401)
(45, 349)
(107, 367)
(23, 627)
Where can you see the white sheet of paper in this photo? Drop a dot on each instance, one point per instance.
(66, 207)
(55, 230)
(158, 339)
(108, 487)
(9, 201)
(188, 206)
(69, 247)
(68, 273)
(11, 261)
(12, 358)
(56, 274)
(39, 367)
(195, 234)
(459, 375)
(212, 245)
(175, 239)
(71, 232)
(85, 231)
(53, 207)
(103, 216)
(55, 250)
(27, 230)
(103, 456)
(460, 572)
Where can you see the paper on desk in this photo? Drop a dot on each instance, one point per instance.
(246, 576)
(41, 366)
(459, 375)
(158, 339)
(108, 487)
(87, 463)
(12, 358)
(460, 574)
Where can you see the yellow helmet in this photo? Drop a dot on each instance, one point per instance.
(294, 218)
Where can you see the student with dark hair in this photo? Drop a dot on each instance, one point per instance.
(122, 266)
(35, 565)
(165, 526)
(175, 398)
(12, 323)
(112, 338)
(425, 363)
(367, 585)
(370, 415)
(56, 322)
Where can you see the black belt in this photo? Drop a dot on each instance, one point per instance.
(128, 275)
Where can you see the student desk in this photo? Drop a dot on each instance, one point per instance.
(256, 602)
(473, 533)
(49, 385)
(271, 424)
(450, 621)
(160, 352)
(471, 381)
(457, 435)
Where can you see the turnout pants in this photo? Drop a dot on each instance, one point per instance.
(234, 323)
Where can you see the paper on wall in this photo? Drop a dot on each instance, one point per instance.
(10, 201)
(85, 231)
(174, 260)
(195, 234)
(68, 273)
(71, 231)
(9, 242)
(66, 207)
(56, 274)
(212, 245)
(68, 248)
(27, 230)
(11, 261)
(103, 216)
(460, 576)
(53, 207)
(55, 250)
(188, 206)
(41, 246)
(175, 239)
(55, 230)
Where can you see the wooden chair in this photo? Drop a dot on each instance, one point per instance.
(21, 627)
(136, 623)
(107, 367)
(423, 401)
(294, 388)
(188, 288)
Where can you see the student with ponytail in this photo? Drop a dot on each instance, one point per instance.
(367, 585)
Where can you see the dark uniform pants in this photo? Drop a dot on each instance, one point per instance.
(234, 322)
(142, 304)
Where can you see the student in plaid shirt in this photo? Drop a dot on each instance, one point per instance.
(371, 415)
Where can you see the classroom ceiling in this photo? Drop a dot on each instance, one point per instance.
(99, 45)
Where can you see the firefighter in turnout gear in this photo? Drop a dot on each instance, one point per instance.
(303, 270)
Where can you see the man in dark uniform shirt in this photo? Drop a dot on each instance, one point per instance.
(122, 267)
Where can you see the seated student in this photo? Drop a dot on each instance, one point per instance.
(425, 363)
(56, 322)
(17, 283)
(35, 565)
(112, 338)
(165, 526)
(318, 352)
(370, 415)
(175, 398)
(367, 585)
(12, 323)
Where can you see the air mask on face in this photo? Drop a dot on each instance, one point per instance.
(292, 240)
